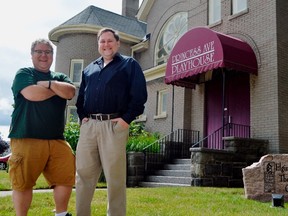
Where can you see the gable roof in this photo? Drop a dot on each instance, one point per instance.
(99, 17)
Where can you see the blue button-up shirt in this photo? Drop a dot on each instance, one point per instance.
(119, 87)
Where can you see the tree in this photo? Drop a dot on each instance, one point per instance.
(3, 145)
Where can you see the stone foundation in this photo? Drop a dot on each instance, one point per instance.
(209, 167)
(135, 168)
(223, 168)
(215, 168)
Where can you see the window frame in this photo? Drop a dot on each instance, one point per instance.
(69, 113)
(162, 97)
(212, 9)
(141, 118)
(235, 7)
(170, 24)
(72, 68)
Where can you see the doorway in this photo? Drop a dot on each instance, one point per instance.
(227, 100)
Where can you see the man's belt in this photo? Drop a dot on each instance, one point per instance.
(104, 117)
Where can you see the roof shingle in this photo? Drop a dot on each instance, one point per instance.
(97, 16)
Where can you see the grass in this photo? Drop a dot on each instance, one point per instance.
(162, 201)
(40, 184)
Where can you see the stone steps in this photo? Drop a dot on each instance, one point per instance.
(175, 174)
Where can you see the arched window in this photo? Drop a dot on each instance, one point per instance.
(173, 29)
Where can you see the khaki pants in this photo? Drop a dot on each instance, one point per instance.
(102, 145)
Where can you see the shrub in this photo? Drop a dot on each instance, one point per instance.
(137, 129)
(71, 133)
(139, 143)
(138, 140)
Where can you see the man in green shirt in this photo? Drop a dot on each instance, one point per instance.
(36, 132)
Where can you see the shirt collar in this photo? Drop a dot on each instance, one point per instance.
(100, 60)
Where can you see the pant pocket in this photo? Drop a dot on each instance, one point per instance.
(16, 171)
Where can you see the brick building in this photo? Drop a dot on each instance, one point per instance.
(253, 100)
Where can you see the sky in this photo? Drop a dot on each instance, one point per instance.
(24, 21)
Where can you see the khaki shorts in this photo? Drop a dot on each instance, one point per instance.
(31, 157)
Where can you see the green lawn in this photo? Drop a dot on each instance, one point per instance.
(162, 201)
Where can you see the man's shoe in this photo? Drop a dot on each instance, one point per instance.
(68, 214)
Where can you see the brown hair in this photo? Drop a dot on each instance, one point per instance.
(103, 30)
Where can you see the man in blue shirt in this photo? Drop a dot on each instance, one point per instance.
(111, 95)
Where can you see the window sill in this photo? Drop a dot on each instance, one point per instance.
(215, 24)
(233, 16)
(160, 116)
(141, 119)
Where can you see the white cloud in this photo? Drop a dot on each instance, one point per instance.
(20, 27)
(5, 111)
(5, 106)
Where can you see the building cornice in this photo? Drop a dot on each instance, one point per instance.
(59, 31)
(140, 47)
(144, 10)
(155, 72)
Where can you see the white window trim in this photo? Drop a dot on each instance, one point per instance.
(163, 31)
(160, 116)
(238, 11)
(211, 13)
(238, 14)
(141, 118)
(160, 113)
(73, 61)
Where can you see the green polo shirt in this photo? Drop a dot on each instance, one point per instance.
(41, 119)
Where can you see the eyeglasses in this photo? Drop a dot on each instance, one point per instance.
(46, 52)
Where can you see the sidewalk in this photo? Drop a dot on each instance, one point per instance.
(9, 193)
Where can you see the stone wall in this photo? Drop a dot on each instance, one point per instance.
(215, 168)
(209, 167)
(246, 149)
(223, 168)
(135, 168)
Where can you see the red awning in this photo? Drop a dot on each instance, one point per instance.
(201, 49)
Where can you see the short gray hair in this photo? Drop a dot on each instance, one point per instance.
(41, 41)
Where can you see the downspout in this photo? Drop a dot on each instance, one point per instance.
(172, 115)
(223, 104)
